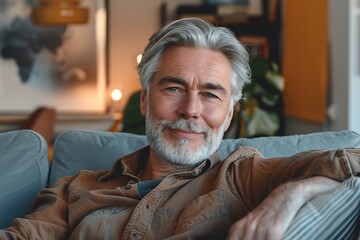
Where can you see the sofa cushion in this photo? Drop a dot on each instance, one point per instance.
(95, 150)
(289, 145)
(331, 215)
(24, 169)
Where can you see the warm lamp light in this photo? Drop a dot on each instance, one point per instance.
(116, 95)
(138, 58)
(59, 12)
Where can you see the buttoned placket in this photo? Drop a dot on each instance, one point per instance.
(139, 223)
(142, 216)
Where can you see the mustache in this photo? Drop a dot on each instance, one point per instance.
(186, 125)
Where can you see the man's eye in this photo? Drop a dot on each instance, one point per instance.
(173, 89)
(210, 95)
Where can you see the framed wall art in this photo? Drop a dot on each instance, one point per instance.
(62, 67)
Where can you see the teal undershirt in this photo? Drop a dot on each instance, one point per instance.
(147, 186)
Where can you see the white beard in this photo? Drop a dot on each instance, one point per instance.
(181, 153)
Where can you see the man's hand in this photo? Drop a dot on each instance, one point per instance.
(272, 217)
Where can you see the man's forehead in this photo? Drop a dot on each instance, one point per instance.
(181, 61)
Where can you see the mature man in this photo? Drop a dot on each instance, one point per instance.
(192, 73)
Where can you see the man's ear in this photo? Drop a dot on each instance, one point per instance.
(229, 118)
(143, 102)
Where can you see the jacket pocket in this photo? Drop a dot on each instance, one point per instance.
(205, 208)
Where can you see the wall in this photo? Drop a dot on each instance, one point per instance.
(345, 61)
(131, 25)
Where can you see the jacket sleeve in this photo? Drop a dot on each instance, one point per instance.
(49, 217)
(255, 176)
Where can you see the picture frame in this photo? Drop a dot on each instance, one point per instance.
(62, 67)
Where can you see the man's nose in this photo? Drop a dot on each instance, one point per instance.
(190, 107)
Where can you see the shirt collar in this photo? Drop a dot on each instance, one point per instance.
(130, 165)
(133, 164)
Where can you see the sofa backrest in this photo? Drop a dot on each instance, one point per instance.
(97, 150)
(289, 145)
(24, 170)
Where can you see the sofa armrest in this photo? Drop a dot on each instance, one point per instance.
(24, 170)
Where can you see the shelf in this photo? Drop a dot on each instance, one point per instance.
(15, 118)
(267, 25)
(67, 121)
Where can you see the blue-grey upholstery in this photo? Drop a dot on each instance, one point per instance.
(75, 149)
(289, 145)
(96, 150)
(24, 169)
(331, 215)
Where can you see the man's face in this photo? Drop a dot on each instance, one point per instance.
(188, 104)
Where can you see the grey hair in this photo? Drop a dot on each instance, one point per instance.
(197, 33)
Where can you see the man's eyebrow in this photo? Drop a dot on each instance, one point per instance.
(172, 79)
(213, 86)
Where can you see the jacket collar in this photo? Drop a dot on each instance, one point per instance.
(133, 164)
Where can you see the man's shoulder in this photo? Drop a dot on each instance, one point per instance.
(83, 175)
(243, 152)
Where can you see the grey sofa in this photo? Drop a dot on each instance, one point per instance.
(25, 170)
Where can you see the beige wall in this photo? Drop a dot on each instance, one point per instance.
(131, 25)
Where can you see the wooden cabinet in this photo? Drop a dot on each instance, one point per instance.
(306, 59)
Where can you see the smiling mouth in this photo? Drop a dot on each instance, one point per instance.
(179, 133)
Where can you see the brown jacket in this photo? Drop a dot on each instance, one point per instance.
(199, 204)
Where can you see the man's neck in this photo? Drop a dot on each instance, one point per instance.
(158, 169)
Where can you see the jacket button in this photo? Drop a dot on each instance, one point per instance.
(128, 187)
(134, 234)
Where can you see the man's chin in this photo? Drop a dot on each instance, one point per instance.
(184, 156)
(185, 147)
